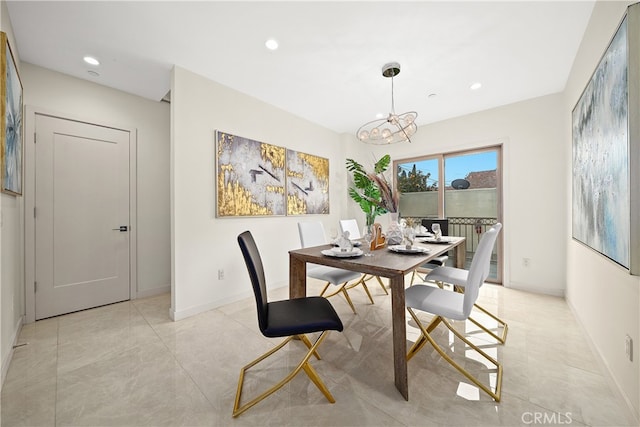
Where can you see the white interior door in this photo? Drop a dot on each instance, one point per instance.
(81, 216)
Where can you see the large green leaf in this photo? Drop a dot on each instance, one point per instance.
(382, 164)
(365, 192)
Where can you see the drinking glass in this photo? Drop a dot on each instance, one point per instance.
(367, 237)
(333, 235)
(437, 233)
(410, 235)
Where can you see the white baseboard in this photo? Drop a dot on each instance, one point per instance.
(631, 413)
(7, 360)
(153, 292)
(536, 289)
(197, 309)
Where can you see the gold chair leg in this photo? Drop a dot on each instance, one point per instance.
(354, 284)
(362, 282)
(346, 295)
(505, 328)
(308, 343)
(303, 365)
(415, 348)
(426, 335)
(313, 375)
(325, 289)
(366, 289)
(382, 285)
(341, 289)
(415, 273)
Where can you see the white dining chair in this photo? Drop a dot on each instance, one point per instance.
(425, 268)
(312, 234)
(458, 278)
(445, 304)
(438, 261)
(351, 225)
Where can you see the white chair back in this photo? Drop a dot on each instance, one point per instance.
(311, 234)
(350, 225)
(479, 268)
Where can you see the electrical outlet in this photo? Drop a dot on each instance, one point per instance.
(526, 262)
(628, 347)
(220, 274)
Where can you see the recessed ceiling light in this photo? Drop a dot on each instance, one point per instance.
(91, 60)
(93, 73)
(271, 44)
(432, 95)
(379, 115)
(475, 86)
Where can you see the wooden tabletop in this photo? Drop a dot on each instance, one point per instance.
(384, 262)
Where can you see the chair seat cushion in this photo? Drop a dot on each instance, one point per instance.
(439, 260)
(301, 316)
(452, 275)
(437, 301)
(335, 276)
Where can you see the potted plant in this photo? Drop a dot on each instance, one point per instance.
(371, 190)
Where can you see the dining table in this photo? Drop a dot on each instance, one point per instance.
(384, 263)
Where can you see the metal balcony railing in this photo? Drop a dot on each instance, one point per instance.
(472, 228)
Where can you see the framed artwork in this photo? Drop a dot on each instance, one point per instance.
(11, 127)
(601, 146)
(307, 184)
(250, 177)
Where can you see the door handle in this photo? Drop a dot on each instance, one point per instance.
(122, 228)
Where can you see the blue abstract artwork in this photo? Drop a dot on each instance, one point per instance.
(601, 194)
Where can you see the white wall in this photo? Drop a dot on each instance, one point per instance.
(604, 297)
(11, 248)
(201, 243)
(534, 165)
(80, 99)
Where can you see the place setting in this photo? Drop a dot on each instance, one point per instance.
(435, 237)
(409, 247)
(339, 252)
(343, 247)
(335, 237)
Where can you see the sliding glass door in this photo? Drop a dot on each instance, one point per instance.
(464, 187)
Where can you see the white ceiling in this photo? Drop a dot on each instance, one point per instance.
(328, 66)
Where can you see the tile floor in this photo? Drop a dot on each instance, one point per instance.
(127, 364)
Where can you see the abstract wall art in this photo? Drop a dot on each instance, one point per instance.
(307, 184)
(601, 183)
(250, 177)
(11, 127)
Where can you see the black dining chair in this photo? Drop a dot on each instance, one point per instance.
(444, 224)
(287, 318)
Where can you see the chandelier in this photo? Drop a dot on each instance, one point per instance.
(396, 127)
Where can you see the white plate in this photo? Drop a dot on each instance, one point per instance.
(423, 239)
(403, 249)
(336, 253)
(355, 243)
(443, 241)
